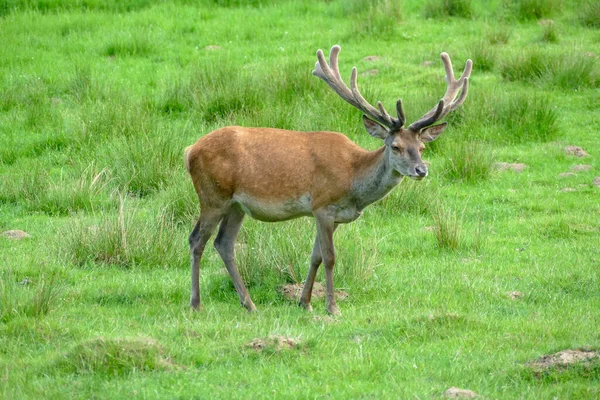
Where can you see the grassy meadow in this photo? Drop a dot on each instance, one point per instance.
(462, 279)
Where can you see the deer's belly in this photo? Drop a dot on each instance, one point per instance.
(273, 210)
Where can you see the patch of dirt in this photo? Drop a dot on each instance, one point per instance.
(563, 359)
(581, 167)
(212, 47)
(568, 189)
(16, 234)
(514, 295)
(372, 58)
(455, 393)
(596, 181)
(370, 72)
(427, 63)
(504, 166)
(274, 343)
(545, 22)
(566, 174)
(293, 291)
(576, 151)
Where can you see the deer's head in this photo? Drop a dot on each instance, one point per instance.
(403, 146)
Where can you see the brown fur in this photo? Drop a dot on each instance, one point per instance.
(274, 165)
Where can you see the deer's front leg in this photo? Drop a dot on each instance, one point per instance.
(315, 262)
(325, 228)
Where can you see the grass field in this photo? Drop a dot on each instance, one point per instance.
(459, 280)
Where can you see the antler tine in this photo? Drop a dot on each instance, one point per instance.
(331, 75)
(449, 102)
(380, 115)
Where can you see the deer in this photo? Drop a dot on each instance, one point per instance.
(276, 175)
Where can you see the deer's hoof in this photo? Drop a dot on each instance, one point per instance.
(334, 310)
(250, 306)
(306, 306)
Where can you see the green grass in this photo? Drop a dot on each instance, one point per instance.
(98, 101)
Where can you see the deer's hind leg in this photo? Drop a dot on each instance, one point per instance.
(209, 218)
(225, 245)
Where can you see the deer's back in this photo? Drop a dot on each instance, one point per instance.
(274, 164)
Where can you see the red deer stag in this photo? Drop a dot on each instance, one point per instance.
(276, 175)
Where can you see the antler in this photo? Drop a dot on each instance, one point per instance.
(449, 102)
(331, 75)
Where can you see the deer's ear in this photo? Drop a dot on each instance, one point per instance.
(375, 129)
(431, 133)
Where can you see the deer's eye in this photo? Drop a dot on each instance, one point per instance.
(396, 148)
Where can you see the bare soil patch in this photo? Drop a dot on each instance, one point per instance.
(581, 167)
(563, 359)
(514, 295)
(568, 189)
(274, 343)
(372, 58)
(596, 181)
(15, 234)
(370, 72)
(504, 166)
(566, 174)
(293, 291)
(456, 393)
(576, 151)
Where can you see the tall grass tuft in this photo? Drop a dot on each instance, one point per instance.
(566, 71)
(376, 18)
(448, 226)
(589, 14)
(533, 9)
(128, 239)
(141, 165)
(448, 8)
(135, 44)
(483, 55)
(30, 297)
(499, 35)
(549, 33)
(113, 356)
(409, 197)
(514, 118)
(268, 253)
(39, 191)
(468, 161)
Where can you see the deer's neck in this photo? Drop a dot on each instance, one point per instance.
(375, 178)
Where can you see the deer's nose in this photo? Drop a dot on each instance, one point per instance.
(421, 170)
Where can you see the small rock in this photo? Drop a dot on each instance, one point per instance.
(455, 393)
(568, 189)
(427, 63)
(212, 47)
(596, 181)
(566, 174)
(514, 295)
(25, 282)
(581, 167)
(370, 72)
(16, 234)
(372, 58)
(517, 167)
(576, 151)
